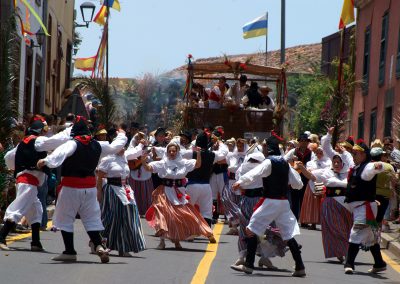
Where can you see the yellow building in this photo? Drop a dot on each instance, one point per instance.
(58, 69)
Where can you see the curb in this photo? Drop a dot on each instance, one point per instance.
(391, 244)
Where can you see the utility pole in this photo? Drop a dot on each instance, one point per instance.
(283, 29)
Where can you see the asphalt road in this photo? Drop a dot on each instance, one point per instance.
(171, 266)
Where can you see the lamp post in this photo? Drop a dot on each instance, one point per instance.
(40, 37)
(87, 12)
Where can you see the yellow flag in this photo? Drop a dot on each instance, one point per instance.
(26, 3)
(347, 16)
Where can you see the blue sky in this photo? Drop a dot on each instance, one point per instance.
(156, 35)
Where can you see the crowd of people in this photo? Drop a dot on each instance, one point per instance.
(181, 185)
(239, 95)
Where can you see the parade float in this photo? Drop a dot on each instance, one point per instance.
(236, 120)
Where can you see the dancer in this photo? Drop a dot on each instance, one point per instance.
(22, 159)
(274, 206)
(336, 219)
(79, 158)
(171, 215)
(360, 195)
(119, 212)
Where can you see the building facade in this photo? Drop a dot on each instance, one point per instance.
(45, 62)
(377, 101)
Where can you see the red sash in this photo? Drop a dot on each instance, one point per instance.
(28, 179)
(76, 182)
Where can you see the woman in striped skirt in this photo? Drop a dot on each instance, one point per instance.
(140, 179)
(311, 207)
(119, 212)
(336, 219)
(171, 215)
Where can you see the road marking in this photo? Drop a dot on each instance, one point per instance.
(203, 268)
(395, 265)
(19, 237)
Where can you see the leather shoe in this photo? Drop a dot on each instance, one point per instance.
(299, 273)
(65, 257)
(242, 268)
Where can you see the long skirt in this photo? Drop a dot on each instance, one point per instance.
(311, 208)
(336, 223)
(142, 191)
(123, 228)
(175, 222)
(231, 202)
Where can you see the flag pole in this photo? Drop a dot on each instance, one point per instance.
(283, 28)
(266, 45)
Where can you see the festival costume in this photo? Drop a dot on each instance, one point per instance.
(215, 98)
(336, 219)
(274, 206)
(23, 159)
(360, 196)
(79, 159)
(119, 212)
(171, 215)
(141, 182)
(311, 207)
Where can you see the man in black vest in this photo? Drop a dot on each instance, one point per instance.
(198, 186)
(22, 159)
(274, 206)
(360, 194)
(79, 158)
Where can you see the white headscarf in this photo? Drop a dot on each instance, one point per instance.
(178, 161)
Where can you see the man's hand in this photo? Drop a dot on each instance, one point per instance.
(40, 164)
(330, 130)
(121, 131)
(378, 166)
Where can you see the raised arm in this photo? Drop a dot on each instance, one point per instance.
(116, 146)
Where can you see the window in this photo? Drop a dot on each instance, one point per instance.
(48, 49)
(372, 128)
(398, 57)
(382, 56)
(367, 45)
(68, 65)
(37, 98)
(361, 125)
(28, 79)
(388, 122)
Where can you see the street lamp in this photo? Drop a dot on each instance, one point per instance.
(40, 36)
(87, 12)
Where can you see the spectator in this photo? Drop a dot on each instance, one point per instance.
(253, 96)
(266, 101)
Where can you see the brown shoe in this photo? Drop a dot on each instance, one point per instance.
(103, 254)
(242, 268)
(212, 239)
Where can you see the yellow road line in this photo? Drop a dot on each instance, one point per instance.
(203, 268)
(19, 237)
(395, 265)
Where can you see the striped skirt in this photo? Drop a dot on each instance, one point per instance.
(122, 226)
(231, 201)
(245, 211)
(311, 208)
(142, 191)
(336, 223)
(175, 222)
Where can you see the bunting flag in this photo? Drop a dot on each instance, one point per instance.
(101, 16)
(85, 64)
(255, 28)
(98, 70)
(113, 4)
(347, 16)
(33, 12)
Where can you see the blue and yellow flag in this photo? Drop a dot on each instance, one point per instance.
(113, 4)
(255, 28)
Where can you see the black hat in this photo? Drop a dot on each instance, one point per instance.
(202, 140)
(186, 134)
(303, 136)
(243, 78)
(217, 133)
(273, 144)
(80, 127)
(36, 127)
(160, 131)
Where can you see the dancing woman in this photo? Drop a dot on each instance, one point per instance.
(171, 215)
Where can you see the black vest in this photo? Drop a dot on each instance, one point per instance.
(359, 189)
(83, 162)
(276, 185)
(26, 156)
(220, 168)
(203, 173)
(304, 159)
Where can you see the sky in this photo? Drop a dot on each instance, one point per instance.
(157, 35)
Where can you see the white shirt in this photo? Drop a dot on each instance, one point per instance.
(264, 170)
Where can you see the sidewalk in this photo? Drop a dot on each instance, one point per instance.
(391, 240)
